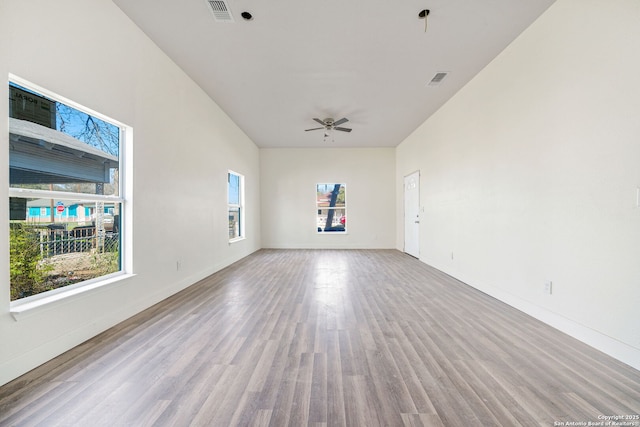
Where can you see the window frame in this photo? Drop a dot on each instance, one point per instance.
(22, 305)
(240, 206)
(320, 208)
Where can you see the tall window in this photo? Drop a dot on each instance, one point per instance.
(331, 207)
(65, 193)
(235, 195)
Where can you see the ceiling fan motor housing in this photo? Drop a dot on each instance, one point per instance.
(330, 124)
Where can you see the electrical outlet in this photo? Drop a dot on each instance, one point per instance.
(548, 287)
(178, 265)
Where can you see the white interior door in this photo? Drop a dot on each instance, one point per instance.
(412, 214)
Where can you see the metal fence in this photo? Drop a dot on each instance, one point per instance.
(59, 241)
(79, 254)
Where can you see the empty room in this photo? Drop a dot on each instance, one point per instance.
(234, 213)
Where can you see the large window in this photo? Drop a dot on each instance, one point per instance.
(65, 193)
(235, 200)
(331, 207)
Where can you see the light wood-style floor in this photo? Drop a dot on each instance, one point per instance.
(326, 338)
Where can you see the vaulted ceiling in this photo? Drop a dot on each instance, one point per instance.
(294, 60)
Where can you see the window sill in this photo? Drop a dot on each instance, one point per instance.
(23, 309)
(237, 239)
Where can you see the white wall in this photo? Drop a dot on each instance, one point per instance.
(288, 180)
(91, 53)
(531, 172)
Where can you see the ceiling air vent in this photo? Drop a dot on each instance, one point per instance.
(438, 78)
(220, 10)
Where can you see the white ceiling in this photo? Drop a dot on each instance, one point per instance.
(298, 59)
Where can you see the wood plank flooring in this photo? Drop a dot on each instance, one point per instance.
(326, 338)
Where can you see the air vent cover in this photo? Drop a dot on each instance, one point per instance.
(437, 79)
(220, 10)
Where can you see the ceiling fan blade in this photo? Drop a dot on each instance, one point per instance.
(319, 121)
(341, 121)
(343, 129)
(307, 130)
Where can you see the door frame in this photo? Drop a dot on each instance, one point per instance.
(412, 220)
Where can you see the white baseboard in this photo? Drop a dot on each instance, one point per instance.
(619, 350)
(24, 362)
(610, 346)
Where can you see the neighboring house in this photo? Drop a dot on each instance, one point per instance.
(41, 155)
(39, 211)
(31, 160)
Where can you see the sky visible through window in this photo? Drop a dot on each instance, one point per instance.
(82, 126)
(234, 189)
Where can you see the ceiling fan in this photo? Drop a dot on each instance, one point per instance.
(329, 124)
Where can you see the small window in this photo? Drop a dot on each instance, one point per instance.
(331, 208)
(235, 195)
(65, 193)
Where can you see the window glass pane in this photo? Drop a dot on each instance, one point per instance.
(234, 223)
(331, 220)
(235, 205)
(234, 189)
(57, 147)
(59, 239)
(330, 195)
(56, 243)
(331, 203)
